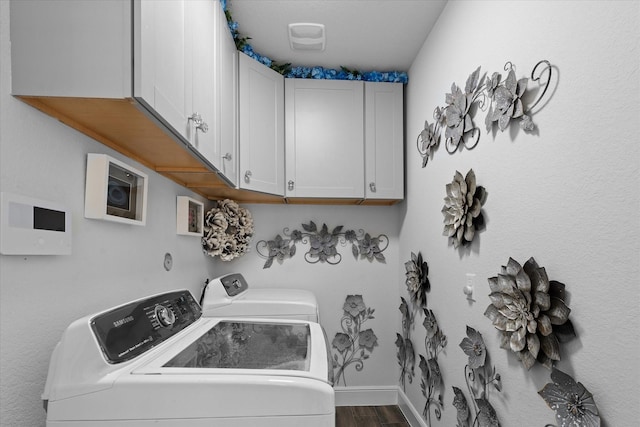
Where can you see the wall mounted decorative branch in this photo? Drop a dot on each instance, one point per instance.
(502, 98)
(479, 375)
(406, 354)
(323, 245)
(354, 345)
(431, 385)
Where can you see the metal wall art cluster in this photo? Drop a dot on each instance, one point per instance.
(502, 98)
(431, 384)
(354, 344)
(323, 245)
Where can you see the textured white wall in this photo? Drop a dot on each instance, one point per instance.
(114, 263)
(566, 195)
(111, 263)
(376, 282)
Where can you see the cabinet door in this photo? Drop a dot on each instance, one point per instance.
(324, 138)
(384, 140)
(204, 132)
(162, 69)
(228, 90)
(261, 119)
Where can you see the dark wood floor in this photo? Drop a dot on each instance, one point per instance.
(370, 416)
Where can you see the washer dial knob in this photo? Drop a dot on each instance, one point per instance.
(165, 315)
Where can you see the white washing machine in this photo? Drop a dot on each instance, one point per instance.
(157, 361)
(230, 295)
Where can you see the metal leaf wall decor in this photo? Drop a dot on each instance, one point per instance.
(323, 244)
(417, 279)
(479, 375)
(572, 402)
(462, 209)
(432, 384)
(530, 312)
(503, 98)
(406, 353)
(354, 344)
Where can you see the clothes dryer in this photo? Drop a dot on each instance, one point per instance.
(229, 295)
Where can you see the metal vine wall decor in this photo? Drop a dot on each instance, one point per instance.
(417, 280)
(530, 312)
(323, 245)
(503, 98)
(431, 384)
(353, 344)
(479, 376)
(406, 354)
(572, 402)
(462, 209)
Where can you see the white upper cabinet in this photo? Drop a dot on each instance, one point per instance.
(161, 62)
(384, 140)
(204, 111)
(228, 97)
(261, 127)
(324, 138)
(176, 69)
(71, 48)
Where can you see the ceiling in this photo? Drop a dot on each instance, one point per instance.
(365, 35)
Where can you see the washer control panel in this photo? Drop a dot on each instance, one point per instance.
(129, 330)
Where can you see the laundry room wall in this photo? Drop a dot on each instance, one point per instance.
(566, 194)
(114, 263)
(111, 263)
(377, 282)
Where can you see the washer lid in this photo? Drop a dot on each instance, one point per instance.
(265, 302)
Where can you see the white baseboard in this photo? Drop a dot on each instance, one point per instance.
(379, 396)
(366, 396)
(409, 411)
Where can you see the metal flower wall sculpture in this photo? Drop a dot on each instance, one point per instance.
(323, 245)
(479, 376)
(530, 312)
(353, 344)
(572, 402)
(228, 229)
(406, 353)
(462, 209)
(503, 98)
(431, 384)
(417, 280)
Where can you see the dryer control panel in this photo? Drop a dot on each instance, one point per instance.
(234, 284)
(129, 330)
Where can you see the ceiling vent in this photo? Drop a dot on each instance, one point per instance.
(304, 36)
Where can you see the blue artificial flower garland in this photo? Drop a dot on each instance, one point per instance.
(308, 72)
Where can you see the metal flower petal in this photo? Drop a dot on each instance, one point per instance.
(573, 403)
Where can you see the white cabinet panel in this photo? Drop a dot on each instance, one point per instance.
(261, 124)
(324, 138)
(228, 95)
(163, 70)
(204, 131)
(384, 140)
